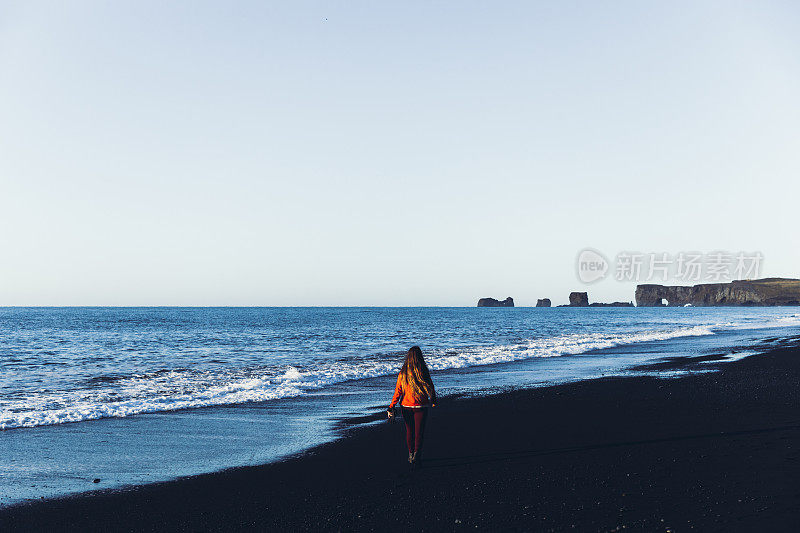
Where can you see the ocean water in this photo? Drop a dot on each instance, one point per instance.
(89, 393)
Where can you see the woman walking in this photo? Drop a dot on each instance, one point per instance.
(415, 392)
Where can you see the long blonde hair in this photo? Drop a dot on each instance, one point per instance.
(415, 375)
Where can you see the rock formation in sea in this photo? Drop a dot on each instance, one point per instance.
(758, 292)
(491, 302)
(543, 302)
(581, 299)
(578, 299)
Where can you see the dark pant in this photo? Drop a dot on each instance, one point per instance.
(415, 427)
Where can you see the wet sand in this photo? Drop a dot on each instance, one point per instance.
(704, 452)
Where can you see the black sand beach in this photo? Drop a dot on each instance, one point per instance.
(716, 451)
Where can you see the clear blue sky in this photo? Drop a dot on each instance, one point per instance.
(386, 153)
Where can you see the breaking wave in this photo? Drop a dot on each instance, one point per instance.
(170, 390)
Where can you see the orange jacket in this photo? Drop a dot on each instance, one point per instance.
(409, 398)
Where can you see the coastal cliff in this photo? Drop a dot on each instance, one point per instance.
(759, 292)
(491, 302)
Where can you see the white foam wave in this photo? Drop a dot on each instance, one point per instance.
(761, 322)
(788, 320)
(733, 356)
(175, 390)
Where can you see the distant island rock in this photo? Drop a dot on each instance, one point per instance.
(543, 302)
(758, 292)
(579, 299)
(491, 302)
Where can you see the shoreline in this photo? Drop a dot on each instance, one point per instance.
(712, 450)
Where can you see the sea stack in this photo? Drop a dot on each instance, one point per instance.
(543, 302)
(491, 302)
(579, 299)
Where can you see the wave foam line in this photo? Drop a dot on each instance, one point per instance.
(174, 390)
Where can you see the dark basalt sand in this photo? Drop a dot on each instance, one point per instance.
(706, 452)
